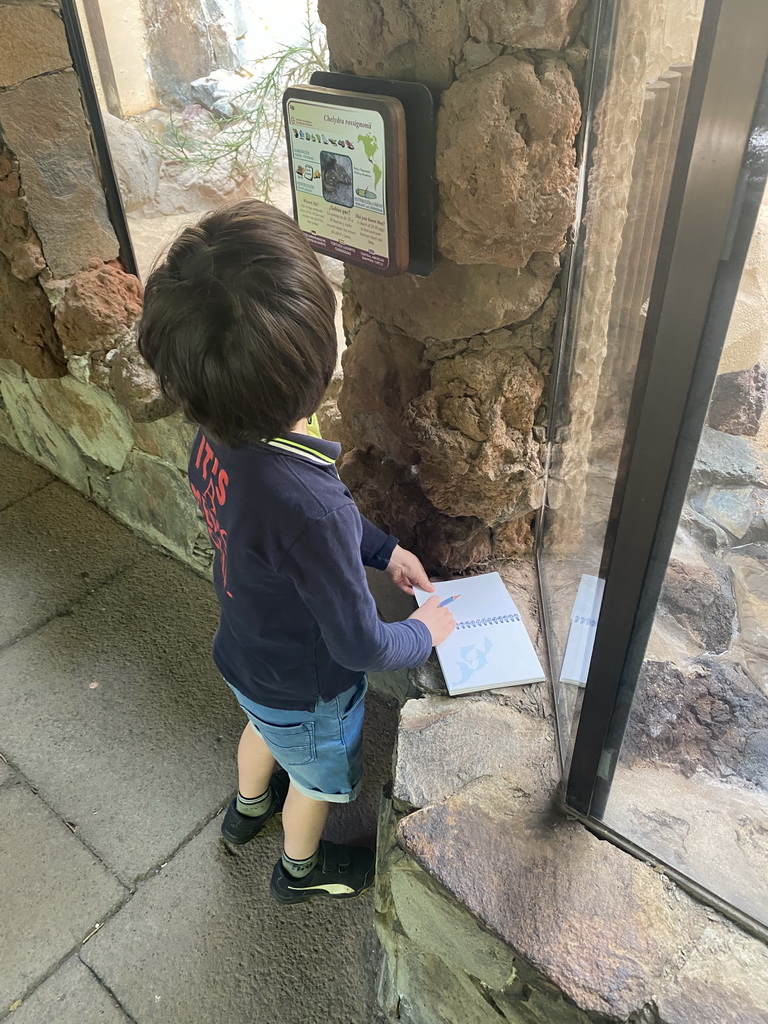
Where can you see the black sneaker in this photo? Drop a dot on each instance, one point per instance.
(341, 873)
(239, 828)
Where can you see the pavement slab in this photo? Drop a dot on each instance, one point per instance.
(204, 941)
(55, 547)
(118, 715)
(19, 477)
(54, 891)
(70, 996)
(6, 772)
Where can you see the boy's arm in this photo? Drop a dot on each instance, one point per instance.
(382, 551)
(376, 547)
(324, 565)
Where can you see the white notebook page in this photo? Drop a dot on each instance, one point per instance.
(490, 646)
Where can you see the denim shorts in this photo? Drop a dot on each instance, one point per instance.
(322, 750)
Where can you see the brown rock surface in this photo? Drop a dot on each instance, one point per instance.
(27, 334)
(696, 598)
(700, 717)
(473, 431)
(98, 307)
(438, 753)
(738, 401)
(383, 372)
(34, 35)
(546, 25)
(135, 386)
(454, 301)
(389, 495)
(18, 242)
(389, 39)
(506, 162)
(64, 196)
(531, 860)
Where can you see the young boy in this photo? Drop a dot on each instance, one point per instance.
(238, 325)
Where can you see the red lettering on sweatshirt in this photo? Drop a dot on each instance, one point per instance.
(210, 500)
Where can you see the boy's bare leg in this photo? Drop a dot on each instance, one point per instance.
(303, 824)
(255, 764)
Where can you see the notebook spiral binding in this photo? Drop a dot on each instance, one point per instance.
(494, 621)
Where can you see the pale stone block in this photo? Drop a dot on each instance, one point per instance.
(39, 436)
(91, 417)
(441, 927)
(65, 198)
(34, 42)
(154, 499)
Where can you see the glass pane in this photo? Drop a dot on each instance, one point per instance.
(691, 786)
(643, 70)
(190, 96)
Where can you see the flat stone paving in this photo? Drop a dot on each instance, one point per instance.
(118, 902)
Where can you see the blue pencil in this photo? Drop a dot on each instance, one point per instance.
(448, 600)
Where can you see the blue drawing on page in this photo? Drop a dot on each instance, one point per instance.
(474, 658)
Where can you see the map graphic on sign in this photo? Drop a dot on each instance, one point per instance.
(371, 147)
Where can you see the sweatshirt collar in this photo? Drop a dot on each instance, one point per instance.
(313, 449)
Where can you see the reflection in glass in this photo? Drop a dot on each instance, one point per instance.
(691, 785)
(642, 73)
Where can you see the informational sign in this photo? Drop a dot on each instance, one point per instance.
(348, 175)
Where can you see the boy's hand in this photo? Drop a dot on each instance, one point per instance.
(439, 621)
(407, 572)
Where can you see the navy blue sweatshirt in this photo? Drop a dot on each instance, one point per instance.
(297, 619)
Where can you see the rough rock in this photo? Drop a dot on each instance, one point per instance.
(754, 765)
(198, 189)
(137, 163)
(438, 754)
(506, 163)
(473, 429)
(98, 308)
(39, 436)
(475, 55)
(738, 401)
(383, 372)
(154, 499)
(454, 301)
(696, 598)
(27, 333)
(750, 584)
(18, 242)
(726, 460)
(328, 415)
(65, 198)
(34, 34)
(741, 511)
(440, 927)
(93, 420)
(135, 385)
(169, 439)
(529, 860)
(389, 495)
(388, 39)
(697, 718)
(194, 26)
(514, 538)
(547, 25)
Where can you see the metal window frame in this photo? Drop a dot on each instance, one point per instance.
(710, 217)
(114, 199)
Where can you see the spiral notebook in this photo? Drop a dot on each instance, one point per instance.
(490, 646)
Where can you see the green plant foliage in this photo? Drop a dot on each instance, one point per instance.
(249, 141)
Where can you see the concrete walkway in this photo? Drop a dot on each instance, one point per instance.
(118, 901)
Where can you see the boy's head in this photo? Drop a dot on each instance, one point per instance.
(238, 324)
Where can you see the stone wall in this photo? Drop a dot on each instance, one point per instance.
(443, 401)
(74, 394)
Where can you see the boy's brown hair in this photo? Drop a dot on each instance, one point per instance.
(238, 324)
